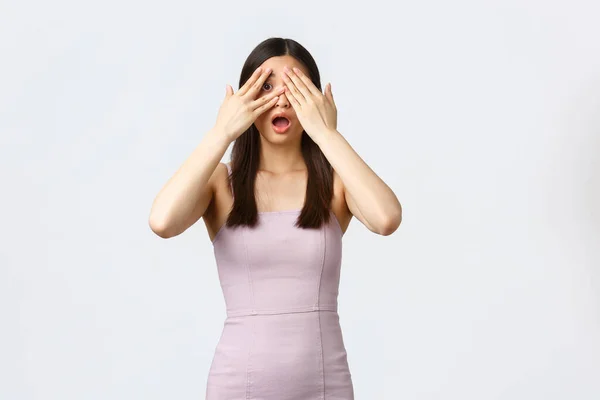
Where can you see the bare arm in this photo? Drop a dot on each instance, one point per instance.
(368, 197)
(187, 194)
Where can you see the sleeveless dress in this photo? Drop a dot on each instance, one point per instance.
(281, 338)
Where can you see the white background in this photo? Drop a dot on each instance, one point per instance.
(482, 116)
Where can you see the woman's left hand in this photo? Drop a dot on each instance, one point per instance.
(316, 111)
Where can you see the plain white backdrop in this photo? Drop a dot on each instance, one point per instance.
(482, 116)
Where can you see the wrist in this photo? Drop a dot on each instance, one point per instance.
(325, 135)
(220, 135)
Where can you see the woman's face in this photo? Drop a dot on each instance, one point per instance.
(273, 129)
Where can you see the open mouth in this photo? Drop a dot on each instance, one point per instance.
(281, 124)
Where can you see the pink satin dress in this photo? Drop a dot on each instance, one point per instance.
(281, 338)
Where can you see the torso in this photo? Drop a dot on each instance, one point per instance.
(273, 194)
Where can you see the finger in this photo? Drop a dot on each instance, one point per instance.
(266, 106)
(293, 91)
(246, 86)
(310, 86)
(292, 99)
(328, 94)
(257, 86)
(296, 86)
(228, 91)
(264, 99)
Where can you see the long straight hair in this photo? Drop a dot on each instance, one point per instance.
(246, 151)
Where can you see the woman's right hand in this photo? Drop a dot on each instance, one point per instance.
(239, 111)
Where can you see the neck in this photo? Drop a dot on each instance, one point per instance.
(281, 158)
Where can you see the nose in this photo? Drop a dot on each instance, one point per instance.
(283, 101)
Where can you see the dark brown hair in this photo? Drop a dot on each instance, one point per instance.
(246, 150)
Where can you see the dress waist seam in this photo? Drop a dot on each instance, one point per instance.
(242, 313)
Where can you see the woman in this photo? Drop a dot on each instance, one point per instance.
(276, 216)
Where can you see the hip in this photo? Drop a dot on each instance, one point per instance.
(297, 355)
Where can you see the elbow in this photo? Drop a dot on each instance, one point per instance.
(392, 224)
(160, 227)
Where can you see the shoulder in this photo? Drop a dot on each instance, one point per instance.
(219, 175)
(219, 186)
(338, 186)
(218, 181)
(339, 205)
